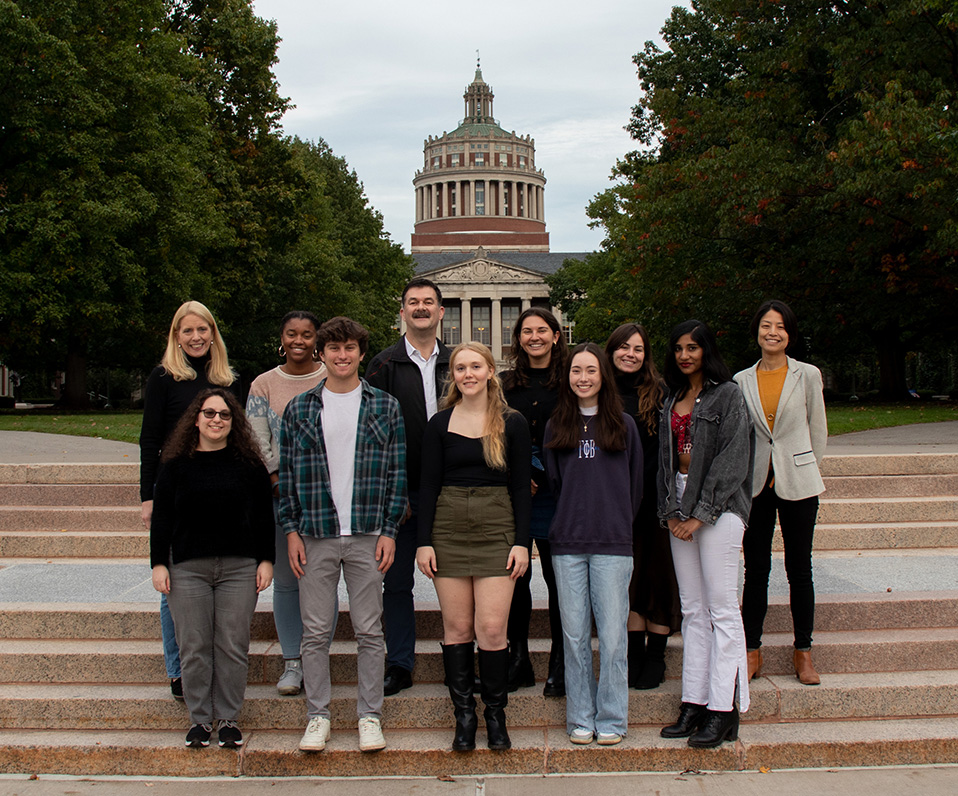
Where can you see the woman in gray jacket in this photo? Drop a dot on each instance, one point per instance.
(706, 448)
(784, 397)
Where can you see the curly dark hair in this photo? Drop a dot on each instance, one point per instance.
(186, 436)
(519, 375)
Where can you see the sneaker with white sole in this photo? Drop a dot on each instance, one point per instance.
(608, 738)
(371, 735)
(199, 736)
(316, 735)
(230, 736)
(291, 681)
(581, 736)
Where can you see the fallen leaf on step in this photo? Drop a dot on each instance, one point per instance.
(763, 769)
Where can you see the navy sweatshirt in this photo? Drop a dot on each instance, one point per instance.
(598, 494)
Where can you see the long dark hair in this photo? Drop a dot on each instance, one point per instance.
(186, 436)
(519, 375)
(610, 432)
(714, 368)
(648, 382)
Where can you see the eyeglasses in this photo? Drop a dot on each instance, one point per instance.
(225, 414)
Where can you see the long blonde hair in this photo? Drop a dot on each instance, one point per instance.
(174, 359)
(494, 433)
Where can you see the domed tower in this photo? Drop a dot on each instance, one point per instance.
(479, 186)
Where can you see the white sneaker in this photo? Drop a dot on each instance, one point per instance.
(291, 682)
(370, 735)
(608, 738)
(581, 736)
(316, 735)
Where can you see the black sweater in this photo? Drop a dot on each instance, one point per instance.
(165, 401)
(453, 460)
(213, 504)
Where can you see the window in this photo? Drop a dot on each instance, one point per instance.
(567, 329)
(480, 159)
(480, 197)
(452, 326)
(435, 162)
(452, 199)
(522, 161)
(455, 160)
(482, 324)
(510, 314)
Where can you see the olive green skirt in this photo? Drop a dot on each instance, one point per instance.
(473, 531)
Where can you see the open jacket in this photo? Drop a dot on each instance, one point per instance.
(796, 447)
(723, 451)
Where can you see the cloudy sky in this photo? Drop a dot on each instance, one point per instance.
(374, 78)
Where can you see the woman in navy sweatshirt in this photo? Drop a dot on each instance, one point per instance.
(594, 461)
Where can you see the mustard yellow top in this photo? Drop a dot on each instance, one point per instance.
(770, 383)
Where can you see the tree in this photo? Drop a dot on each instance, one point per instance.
(800, 149)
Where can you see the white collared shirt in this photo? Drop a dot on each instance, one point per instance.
(427, 367)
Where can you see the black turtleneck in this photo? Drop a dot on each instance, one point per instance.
(165, 401)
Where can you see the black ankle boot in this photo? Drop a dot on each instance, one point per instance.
(520, 666)
(457, 661)
(636, 655)
(494, 676)
(720, 726)
(653, 671)
(691, 717)
(555, 683)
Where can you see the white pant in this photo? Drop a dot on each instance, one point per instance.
(713, 638)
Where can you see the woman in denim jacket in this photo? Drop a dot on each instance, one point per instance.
(706, 450)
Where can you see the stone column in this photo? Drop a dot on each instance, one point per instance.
(541, 204)
(445, 200)
(419, 204)
(472, 198)
(526, 304)
(466, 320)
(497, 328)
(502, 197)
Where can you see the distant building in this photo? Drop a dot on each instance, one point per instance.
(480, 230)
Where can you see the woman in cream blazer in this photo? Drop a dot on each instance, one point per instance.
(784, 397)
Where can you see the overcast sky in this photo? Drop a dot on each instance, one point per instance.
(374, 78)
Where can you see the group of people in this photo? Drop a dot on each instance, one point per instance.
(639, 491)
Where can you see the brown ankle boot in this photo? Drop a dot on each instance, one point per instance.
(754, 663)
(804, 671)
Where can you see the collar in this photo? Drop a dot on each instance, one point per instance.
(413, 353)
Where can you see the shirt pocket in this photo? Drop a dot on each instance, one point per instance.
(307, 435)
(378, 431)
(806, 457)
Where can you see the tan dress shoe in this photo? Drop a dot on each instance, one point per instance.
(804, 671)
(754, 663)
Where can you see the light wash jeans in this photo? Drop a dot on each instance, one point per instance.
(713, 637)
(595, 585)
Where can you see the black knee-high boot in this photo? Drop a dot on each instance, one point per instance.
(494, 676)
(457, 661)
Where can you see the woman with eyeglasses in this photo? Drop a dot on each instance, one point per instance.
(195, 359)
(268, 395)
(212, 550)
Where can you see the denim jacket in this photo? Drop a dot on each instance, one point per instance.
(723, 453)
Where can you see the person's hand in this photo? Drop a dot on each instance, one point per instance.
(385, 553)
(264, 575)
(683, 529)
(297, 554)
(146, 513)
(518, 561)
(426, 561)
(161, 578)
(535, 488)
(274, 482)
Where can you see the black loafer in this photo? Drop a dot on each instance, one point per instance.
(396, 680)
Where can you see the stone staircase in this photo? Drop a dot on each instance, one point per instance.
(83, 690)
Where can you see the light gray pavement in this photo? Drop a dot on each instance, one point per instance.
(846, 572)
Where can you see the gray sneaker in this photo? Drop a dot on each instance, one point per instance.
(291, 683)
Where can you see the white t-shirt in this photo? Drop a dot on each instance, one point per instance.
(340, 418)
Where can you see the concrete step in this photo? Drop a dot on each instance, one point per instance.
(426, 706)
(890, 486)
(75, 544)
(70, 473)
(880, 535)
(890, 464)
(70, 518)
(69, 495)
(903, 509)
(141, 621)
(426, 753)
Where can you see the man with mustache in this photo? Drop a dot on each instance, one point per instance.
(414, 371)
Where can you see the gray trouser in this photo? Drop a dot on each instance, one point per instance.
(318, 589)
(212, 600)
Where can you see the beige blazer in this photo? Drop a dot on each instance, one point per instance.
(797, 446)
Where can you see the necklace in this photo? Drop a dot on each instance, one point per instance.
(585, 422)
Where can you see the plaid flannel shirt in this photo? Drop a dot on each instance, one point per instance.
(379, 476)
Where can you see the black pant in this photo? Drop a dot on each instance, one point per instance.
(521, 612)
(797, 519)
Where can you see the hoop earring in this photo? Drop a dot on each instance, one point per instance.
(281, 351)
(317, 357)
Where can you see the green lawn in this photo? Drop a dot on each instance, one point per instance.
(125, 426)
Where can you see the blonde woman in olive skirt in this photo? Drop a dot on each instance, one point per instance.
(475, 499)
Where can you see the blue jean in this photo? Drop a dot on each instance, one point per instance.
(286, 616)
(595, 585)
(171, 651)
(399, 609)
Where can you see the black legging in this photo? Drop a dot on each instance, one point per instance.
(797, 518)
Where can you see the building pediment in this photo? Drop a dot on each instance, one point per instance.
(483, 270)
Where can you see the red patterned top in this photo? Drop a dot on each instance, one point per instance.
(682, 432)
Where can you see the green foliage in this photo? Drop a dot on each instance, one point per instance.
(798, 149)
